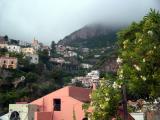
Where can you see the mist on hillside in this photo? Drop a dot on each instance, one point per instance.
(48, 20)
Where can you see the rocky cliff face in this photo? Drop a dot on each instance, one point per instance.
(88, 33)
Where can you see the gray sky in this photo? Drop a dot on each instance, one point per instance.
(48, 20)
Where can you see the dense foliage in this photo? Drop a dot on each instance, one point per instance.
(139, 60)
(140, 57)
(104, 100)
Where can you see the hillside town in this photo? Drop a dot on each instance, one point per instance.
(89, 60)
(39, 109)
(29, 50)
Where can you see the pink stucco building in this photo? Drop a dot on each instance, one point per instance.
(62, 104)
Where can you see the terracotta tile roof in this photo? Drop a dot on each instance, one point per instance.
(81, 94)
(78, 93)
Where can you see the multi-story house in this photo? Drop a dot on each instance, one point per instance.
(8, 62)
(3, 43)
(89, 80)
(86, 66)
(63, 104)
(57, 60)
(31, 54)
(28, 50)
(60, 49)
(14, 48)
(34, 58)
(94, 74)
(70, 54)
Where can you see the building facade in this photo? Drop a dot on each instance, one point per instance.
(28, 50)
(8, 62)
(92, 78)
(14, 48)
(62, 104)
(34, 58)
(3, 43)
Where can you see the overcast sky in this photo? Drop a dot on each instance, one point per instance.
(48, 20)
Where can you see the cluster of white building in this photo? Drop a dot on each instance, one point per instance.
(59, 60)
(66, 51)
(29, 50)
(86, 66)
(88, 80)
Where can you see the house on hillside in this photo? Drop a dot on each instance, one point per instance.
(14, 48)
(86, 66)
(59, 60)
(70, 54)
(60, 49)
(34, 58)
(28, 50)
(3, 43)
(92, 78)
(8, 62)
(62, 104)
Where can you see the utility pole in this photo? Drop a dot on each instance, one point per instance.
(124, 102)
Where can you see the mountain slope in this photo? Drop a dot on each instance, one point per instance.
(91, 36)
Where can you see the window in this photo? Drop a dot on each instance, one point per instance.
(12, 62)
(4, 61)
(57, 104)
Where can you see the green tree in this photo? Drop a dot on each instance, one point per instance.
(6, 38)
(104, 101)
(53, 48)
(31, 77)
(139, 55)
(3, 51)
(43, 56)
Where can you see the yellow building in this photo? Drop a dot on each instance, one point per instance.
(28, 50)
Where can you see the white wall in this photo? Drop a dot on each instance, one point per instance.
(137, 116)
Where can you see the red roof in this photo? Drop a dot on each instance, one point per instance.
(81, 94)
(78, 93)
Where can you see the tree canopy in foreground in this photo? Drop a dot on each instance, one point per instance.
(139, 55)
(139, 59)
